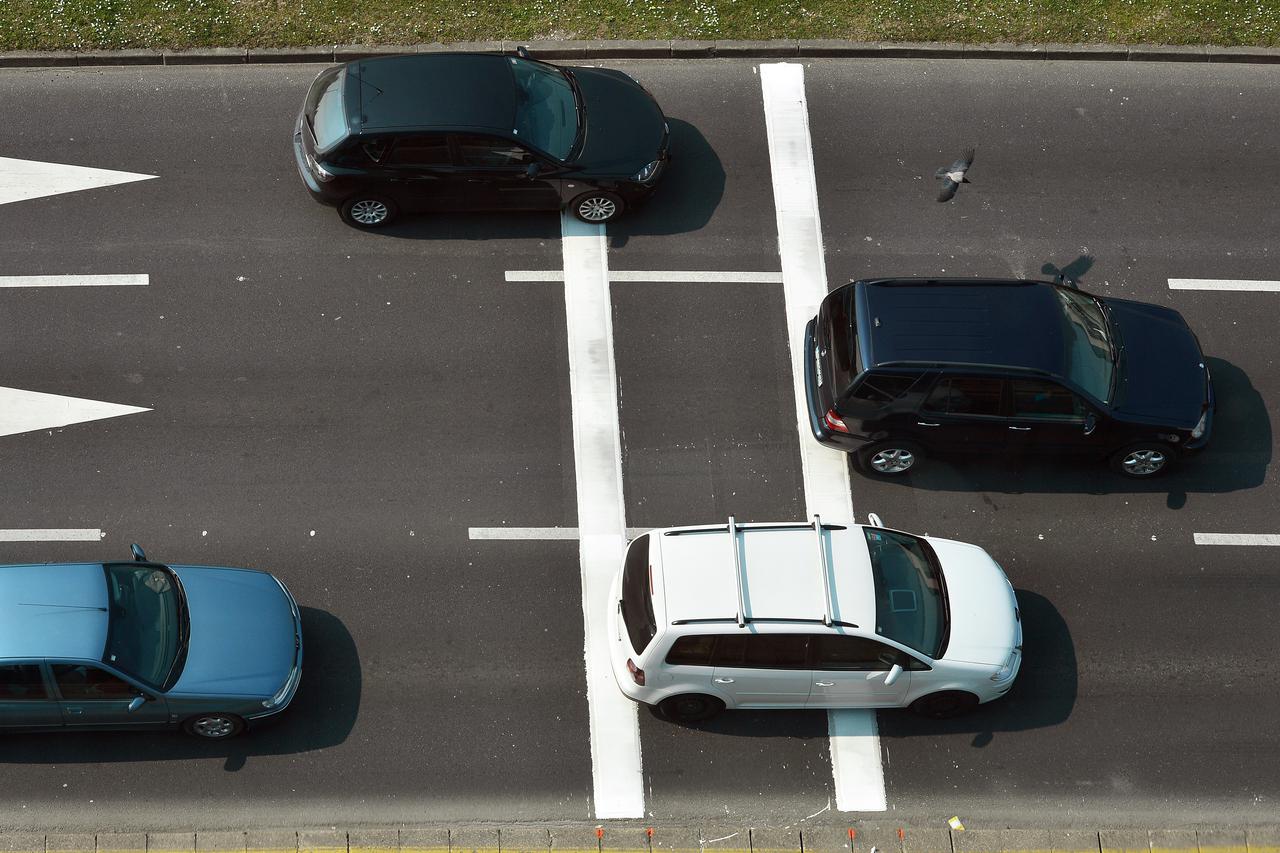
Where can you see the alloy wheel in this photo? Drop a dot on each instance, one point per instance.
(1143, 463)
(213, 726)
(597, 208)
(369, 212)
(892, 460)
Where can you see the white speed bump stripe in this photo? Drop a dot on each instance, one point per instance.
(1237, 538)
(550, 533)
(1223, 284)
(74, 280)
(659, 276)
(51, 534)
(855, 742)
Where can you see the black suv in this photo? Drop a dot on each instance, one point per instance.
(466, 131)
(899, 368)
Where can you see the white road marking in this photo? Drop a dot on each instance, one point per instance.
(1237, 538)
(1222, 284)
(855, 742)
(618, 783)
(52, 534)
(26, 411)
(74, 280)
(537, 532)
(21, 180)
(700, 276)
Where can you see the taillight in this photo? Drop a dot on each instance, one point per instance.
(637, 674)
(834, 421)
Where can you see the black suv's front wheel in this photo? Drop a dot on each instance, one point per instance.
(1144, 460)
(368, 211)
(890, 458)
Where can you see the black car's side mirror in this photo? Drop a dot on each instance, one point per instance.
(522, 51)
(1090, 423)
(138, 555)
(532, 171)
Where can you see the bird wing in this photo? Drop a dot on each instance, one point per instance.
(949, 188)
(965, 161)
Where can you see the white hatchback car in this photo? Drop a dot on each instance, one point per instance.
(811, 616)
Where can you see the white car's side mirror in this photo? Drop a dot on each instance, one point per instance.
(893, 674)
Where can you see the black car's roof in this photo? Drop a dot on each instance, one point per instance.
(965, 321)
(422, 91)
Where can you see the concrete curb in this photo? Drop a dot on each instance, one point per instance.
(674, 49)
(629, 837)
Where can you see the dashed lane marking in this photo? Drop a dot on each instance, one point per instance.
(74, 280)
(1237, 538)
(51, 534)
(700, 276)
(1222, 284)
(537, 532)
(855, 742)
(617, 778)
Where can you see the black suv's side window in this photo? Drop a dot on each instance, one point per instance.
(966, 395)
(491, 151)
(883, 388)
(1045, 400)
(426, 150)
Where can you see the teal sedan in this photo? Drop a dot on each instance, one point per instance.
(141, 645)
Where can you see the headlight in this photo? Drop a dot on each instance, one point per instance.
(1200, 425)
(290, 683)
(647, 172)
(1006, 670)
(319, 171)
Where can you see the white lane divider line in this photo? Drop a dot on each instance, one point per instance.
(21, 180)
(1223, 284)
(1237, 538)
(679, 276)
(855, 742)
(515, 533)
(28, 411)
(74, 280)
(617, 777)
(52, 534)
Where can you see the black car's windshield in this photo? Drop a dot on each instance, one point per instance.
(546, 108)
(911, 604)
(1090, 352)
(324, 109)
(147, 623)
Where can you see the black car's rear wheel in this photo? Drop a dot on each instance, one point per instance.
(890, 458)
(598, 206)
(690, 707)
(215, 726)
(368, 211)
(946, 704)
(1143, 460)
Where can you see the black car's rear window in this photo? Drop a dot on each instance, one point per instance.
(637, 596)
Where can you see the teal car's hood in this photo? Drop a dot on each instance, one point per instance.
(243, 633)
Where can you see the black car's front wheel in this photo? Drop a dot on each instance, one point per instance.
(368, 211)
(1143, 460)
(216, 726)
(598, 206)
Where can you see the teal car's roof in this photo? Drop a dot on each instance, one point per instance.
(53, 610)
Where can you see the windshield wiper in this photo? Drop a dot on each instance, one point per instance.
(184, 633)
(580, 109)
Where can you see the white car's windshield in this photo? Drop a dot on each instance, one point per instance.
(910, 596)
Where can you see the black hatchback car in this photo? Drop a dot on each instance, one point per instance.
(900, 368)
(466, 131)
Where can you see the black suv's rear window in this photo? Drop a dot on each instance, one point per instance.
(883, 388)
(637, 598)
(839, 336)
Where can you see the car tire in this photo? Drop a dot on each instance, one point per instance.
(368, 211)
(597, 207)
(1144, 460)
(214, 726)
(944, 705)
(890, 458)
(690, 707)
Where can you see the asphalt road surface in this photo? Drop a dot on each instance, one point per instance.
(341, 407)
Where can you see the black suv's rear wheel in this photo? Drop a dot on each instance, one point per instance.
(1144, 460)
(890, 458)
(946, 704)
(597, 206)
(368, 211)
(690, 707)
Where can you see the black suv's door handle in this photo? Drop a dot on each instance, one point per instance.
(1020, 429)
(923, 423)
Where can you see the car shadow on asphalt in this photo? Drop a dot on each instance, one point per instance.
(1042, 695)
(1236, 458)
(321, 715)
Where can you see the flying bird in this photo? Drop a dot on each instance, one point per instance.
(953, 176)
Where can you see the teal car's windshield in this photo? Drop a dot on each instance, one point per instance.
(147, 626)
(546, 107)
(1090, 353)
(911, 598)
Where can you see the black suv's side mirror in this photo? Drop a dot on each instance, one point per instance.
(1090, 423)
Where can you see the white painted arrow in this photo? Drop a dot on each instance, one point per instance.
(26, 411)
(26, 179)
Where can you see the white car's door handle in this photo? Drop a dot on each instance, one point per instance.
(825, 683)
(723, 680)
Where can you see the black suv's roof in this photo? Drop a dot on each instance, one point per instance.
(967, 321)
(446, 90)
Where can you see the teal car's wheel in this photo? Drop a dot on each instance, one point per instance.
(216, 726)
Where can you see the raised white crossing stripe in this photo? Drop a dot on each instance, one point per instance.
(855, 742)
(536, 532)
(617, 780)
(1237, 538)
(1222, 284)
(699, 276)
(74, 280)
(51, 534)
